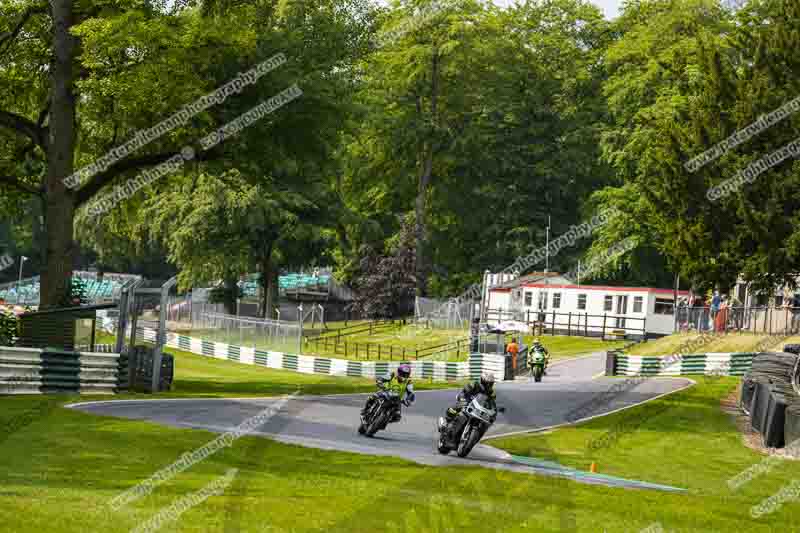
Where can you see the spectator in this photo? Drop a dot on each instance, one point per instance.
(512, 349)
(721, 316)
(700, 317)
(716, 300)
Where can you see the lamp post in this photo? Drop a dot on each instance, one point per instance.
(22, 260)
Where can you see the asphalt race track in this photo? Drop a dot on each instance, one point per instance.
(331, 422)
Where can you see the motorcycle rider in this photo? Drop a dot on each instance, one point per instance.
(399, 382)
(484, 385)
(538, 346)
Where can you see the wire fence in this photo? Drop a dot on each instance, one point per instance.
(443, 314)
(757, 320)
(272, 335)
(339, 346)
(573, 323)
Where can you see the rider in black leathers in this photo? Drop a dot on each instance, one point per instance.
(484, 385)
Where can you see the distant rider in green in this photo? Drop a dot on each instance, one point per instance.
(539, 346)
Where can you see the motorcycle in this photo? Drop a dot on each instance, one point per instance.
(380, 413)
(537, 363)
(467, 429)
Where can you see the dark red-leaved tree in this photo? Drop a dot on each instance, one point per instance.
(386, 283)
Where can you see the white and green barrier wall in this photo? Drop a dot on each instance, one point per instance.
(309, 364)
(726, 364)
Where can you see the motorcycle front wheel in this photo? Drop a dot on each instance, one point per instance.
(469, 439)
(377, 422)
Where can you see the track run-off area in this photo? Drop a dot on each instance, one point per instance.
(331, 422)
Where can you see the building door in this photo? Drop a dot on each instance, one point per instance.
(622, 309)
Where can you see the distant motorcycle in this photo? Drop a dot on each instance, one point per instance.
(537, 363)
(467, 429)
(380, 413)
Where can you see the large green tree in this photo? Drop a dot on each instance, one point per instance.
(78, 78)
(684, 76)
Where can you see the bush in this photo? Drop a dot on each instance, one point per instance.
(9, 328)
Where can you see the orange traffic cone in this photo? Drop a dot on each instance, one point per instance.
(593, 468)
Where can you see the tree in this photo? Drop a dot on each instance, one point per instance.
(109, 59)
(685, 76)
(221, 228)
(513, 135)
(386, 282)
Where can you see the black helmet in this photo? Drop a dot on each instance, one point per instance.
(487, 380)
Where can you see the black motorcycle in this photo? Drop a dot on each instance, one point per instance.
(467, 429)
(386, 403)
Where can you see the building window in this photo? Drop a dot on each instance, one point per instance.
(542, 301)
(528, 299)
(778, 301)
(556, 300)
(582, 301)
(663, 306)
(637, 304)
(609, 303)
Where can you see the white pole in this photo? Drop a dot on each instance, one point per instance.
(547, 247)
(22, 260)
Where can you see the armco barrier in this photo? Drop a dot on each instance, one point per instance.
(726, 364)
(35, 371)
(309, 364)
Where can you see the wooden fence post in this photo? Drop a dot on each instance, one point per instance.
(603, 333)
(569, 325)
(586, 325)
(553, 327)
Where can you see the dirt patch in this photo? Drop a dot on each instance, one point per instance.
(751, 438)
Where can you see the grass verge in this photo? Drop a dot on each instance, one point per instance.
(722, 343)
(58, 473)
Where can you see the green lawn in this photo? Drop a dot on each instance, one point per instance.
(203, 376)
(59, 471)
(684, 440)
(730, 342)
(400, 343)
(396, 343)
(561, 346)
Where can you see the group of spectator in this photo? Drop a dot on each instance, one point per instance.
(722, 312)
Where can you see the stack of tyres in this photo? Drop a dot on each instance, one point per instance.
(792, 429)
(142, 365)
(760, 406)
(747, 395)
(792, 348)
(773, 430)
